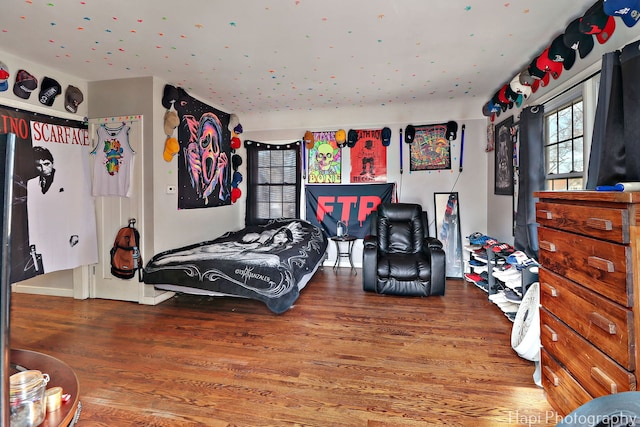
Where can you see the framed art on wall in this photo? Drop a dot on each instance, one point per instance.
(504, 158)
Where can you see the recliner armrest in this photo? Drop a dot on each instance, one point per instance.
(370, 241)
(432, 242)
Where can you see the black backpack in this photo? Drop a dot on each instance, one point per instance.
(125, 254)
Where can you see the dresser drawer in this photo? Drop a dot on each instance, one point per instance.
(602, 223)
(563, 392)
(604, 267)
(596, 372)
(607, 325)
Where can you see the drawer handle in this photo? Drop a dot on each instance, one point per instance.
(604, 380)
(601, 264)
(552, 334)
(547, 246)
(548, 289)
(600, 224)
(602, 322)
(542, 214)
(552, 377)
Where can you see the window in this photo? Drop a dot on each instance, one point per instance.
(273, 181)
(564, 147)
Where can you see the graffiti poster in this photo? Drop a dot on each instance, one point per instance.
(430, 149)
(204, 159)
(325, 159)
(53, 214)
(369, 158)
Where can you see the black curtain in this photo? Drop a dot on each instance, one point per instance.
(615, 145)
(531, 173)
(606, 162)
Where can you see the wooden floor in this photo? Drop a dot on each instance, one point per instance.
(339, 357)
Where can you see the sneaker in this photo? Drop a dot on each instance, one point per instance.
(511, 296)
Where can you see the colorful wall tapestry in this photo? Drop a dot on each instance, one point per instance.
(369, 157)
(430, 149)
(53, 216)
(204, 159)
(352, 204)
(325, 159)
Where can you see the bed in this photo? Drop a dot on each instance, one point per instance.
(269, 263)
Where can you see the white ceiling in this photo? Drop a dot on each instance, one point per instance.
(252, 56)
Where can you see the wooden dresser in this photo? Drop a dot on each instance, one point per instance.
(589, 292)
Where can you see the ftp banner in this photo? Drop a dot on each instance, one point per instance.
(351, 204)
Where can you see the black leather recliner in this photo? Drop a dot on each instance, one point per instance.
(399, 257)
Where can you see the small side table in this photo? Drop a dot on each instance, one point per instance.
(350, 240)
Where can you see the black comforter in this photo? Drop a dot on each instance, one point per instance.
(269, 263)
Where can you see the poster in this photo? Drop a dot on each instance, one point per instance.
(430, 149)
(204, 159)
(53, 216)
(325, 159)
(351, 204)
(368, 158)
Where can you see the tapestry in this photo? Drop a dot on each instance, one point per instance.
(53, 216)
(351, 204)
(325, 159)
(430, 149)
(204, 159)
(369, 157)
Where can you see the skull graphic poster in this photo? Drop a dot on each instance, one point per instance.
(369, 158)
(325, 159)
(204, 159)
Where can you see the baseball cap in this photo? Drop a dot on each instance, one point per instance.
(171, 148)
(386, 136)
(409, 134)
(4, 75)
(49, 89)
(308, 139)
(24, 84)
(452, 129)
(341, 137)
(559, 52)
(627, 10)
(576, 40)
(169, 96)
(519, 88)
(171, 121)
(72, 98)
(596, 22)
(352, 138)
(551, 67)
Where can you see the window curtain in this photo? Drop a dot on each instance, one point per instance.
(615, 151)
(606, 162)
(531, 173)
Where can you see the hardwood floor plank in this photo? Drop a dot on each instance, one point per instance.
(339, 357)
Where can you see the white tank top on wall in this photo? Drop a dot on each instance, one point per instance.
(113, 165)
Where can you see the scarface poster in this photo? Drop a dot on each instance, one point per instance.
(53, 213)
(204, 159)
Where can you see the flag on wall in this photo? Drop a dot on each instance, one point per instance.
(204, 159)
(352, 204)
(53, 216)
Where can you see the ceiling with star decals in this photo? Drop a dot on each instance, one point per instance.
(252, 56)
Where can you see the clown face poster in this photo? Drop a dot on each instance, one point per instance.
(325, 159)
(369, 158)
(430, 149)
(204, 159)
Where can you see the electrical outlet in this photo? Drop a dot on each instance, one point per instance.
(171, 189)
